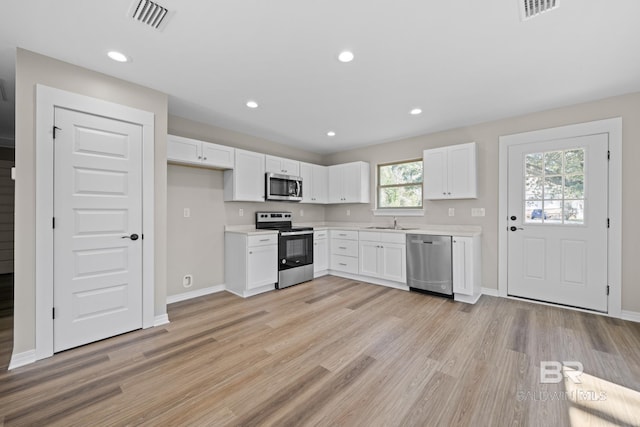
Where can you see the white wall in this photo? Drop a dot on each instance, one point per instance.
(33, 69)
(487, 136)
(196, 244)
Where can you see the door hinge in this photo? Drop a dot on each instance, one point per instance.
(607, 289)
(54, 131)
(608, 223)
(53, 222)
(608, 154)
(53, 312)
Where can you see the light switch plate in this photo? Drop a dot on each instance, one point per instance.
(187, 212)
(477, 211)
(452, 211)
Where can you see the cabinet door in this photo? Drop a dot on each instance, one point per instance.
(461, 263)
(249, 176)
(262, 266)
(281, 165)
(184, 150)
(393, 262)
(335, 184)
(218, 156)
(462, 171)
(351, 183)
(320, 255)
(434, 163)
(320, 183)
(369, 258)
(306, 172)
(273, 164)
(291, 167)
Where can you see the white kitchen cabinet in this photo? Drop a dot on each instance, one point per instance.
(349, 183)
(320, 253)
(315, 182)
(343, 247)
(281, 165)
(199, 153)
(251, 263)
(466, 268)
(383, 255)
(450, 172)
(246, 182)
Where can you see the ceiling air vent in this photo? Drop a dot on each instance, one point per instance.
(533, 8)
(149, 13)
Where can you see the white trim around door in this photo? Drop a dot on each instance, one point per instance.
(612, 127)
(46, 100)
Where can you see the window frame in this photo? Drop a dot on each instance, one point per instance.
(379, 187)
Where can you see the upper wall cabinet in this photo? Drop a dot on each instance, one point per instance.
(193, 152)
(281, 165)
(450, 172)
(349, 183)
(315, 182)
(246, 182)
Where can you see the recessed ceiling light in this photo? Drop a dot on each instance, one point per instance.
(331, 133)
(118, 56)
(345, 56)
(415, 111)
(252, 104)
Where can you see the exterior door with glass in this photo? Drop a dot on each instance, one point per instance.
(557, 225)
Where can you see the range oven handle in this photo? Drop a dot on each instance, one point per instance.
(296, 233)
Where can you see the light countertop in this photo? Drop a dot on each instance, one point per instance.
(439, 230)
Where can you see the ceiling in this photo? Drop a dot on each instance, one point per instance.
(462, 62)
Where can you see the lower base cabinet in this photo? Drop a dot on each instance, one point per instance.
(320, 252)
(383, 255)
(250, 263)
(466, 268)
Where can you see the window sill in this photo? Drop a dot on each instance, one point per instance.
(398, 212)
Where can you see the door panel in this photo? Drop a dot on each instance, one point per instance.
(97, 206)
(558, 221)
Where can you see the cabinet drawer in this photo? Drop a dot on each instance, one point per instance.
(344, 247)
(399, 238)
(369, 236)
(317, 235)
(262, 239)
(344, 263)
(344, 234)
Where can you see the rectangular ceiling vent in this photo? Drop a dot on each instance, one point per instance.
(532, 8)
(149, 13)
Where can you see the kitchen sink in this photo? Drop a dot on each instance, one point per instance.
(390, 228)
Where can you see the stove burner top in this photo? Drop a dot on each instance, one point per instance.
(280, 221)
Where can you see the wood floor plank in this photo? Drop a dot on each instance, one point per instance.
(335, 351)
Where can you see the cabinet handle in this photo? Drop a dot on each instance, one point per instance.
(444, 193)
(199, 157)
(204, 158)
(250, 252)
(342, 263)
(342, 247)
(449, 193)
(264, 240)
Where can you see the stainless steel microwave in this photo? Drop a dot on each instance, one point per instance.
(283, 187)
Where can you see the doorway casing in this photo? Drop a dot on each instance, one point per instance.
(612, 127)
(46, 100)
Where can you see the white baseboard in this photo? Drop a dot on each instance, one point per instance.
(633, 316)
(22, 359)
(491, 292)
(468, 299)
(162, 319)
(195, 293)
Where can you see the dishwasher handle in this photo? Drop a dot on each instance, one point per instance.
(427, 242)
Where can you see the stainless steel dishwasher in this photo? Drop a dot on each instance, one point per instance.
(429, 264)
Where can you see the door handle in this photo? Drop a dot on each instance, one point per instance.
(132, 237)
(514, 228)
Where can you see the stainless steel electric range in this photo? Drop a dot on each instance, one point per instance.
(295, 248)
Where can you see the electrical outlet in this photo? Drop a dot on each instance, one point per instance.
(477, 211)
(240, 212)
(348, 212)
(187, 281)
(187, 212)
(452, 211)
(301, 212)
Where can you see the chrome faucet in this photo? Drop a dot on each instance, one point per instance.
(395, 223)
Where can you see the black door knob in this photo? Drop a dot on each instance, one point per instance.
(513, 228)
(513, 218)
(132, 237)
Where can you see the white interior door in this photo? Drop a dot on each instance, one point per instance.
(557, 209)
(98, 214)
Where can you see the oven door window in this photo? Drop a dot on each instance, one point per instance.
(295, 251)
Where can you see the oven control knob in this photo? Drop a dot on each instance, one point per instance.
(284, 261)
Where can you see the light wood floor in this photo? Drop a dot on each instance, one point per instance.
(338, 352)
